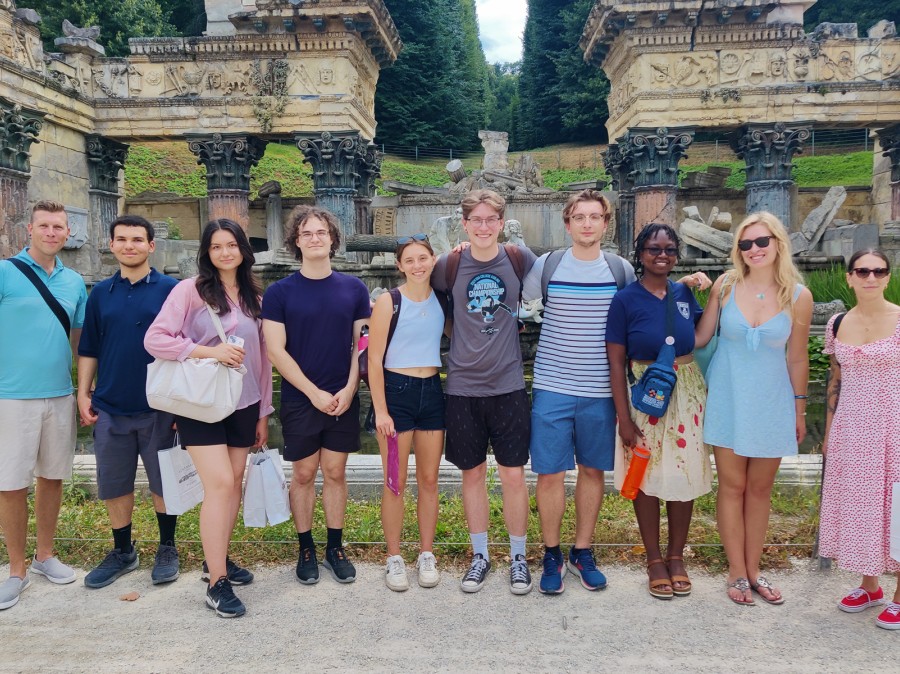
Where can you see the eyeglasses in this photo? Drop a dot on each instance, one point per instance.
(478, 222)
(761, 242)
(656, 251)
(409, 239)
(320, 234)
(581, 218)
(863, 272)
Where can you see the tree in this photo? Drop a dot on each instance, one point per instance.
(118, 20)
(864, 13)
(503, 111)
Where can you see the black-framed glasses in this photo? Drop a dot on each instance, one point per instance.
(863, 272)
(670, 251)
(760, 241)
(409, 239)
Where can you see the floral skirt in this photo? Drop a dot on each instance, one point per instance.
(679, 467)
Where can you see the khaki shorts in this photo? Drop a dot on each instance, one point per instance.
(38, 440)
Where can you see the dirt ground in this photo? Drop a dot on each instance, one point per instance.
(366, 627)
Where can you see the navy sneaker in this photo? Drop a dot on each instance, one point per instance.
(114, 565)
(220, 597)
(165, 565)
(308, 567)
(582, 564)
(237, 575)
(476, 575)
(553, 574)
(341, 568)
(519, 576)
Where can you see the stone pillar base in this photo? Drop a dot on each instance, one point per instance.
(654, 203)
(339, 200)
(229, 203)
(13, 211)
(773, 196)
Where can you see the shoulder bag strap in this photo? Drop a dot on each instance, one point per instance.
(217, 323)
(48, 297)
(670, 310)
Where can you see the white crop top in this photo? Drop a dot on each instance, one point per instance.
(417, 339)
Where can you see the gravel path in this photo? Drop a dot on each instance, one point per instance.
(366, 627)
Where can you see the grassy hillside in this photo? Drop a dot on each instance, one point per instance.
(170, 167)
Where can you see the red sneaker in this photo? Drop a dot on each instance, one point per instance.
(860, 600)
(889, 618)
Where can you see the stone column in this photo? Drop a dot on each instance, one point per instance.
(18, 130)
(889, 139)
(105, 159)
(768, 150)
(620, 170)
(274, 221)
(653, 155)
(336, 179)
(228, 158)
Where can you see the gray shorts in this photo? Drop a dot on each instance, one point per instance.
(119, 440)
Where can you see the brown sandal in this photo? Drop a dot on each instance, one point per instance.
(684, 580)
(654, 585)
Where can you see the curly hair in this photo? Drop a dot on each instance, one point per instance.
(647, 233)
(299, 216)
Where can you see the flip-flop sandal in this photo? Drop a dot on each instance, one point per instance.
(761, 582)
(742, 585)
(654, 585)
(684, 580)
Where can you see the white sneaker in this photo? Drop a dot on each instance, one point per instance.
(395, 574)
(429, 576)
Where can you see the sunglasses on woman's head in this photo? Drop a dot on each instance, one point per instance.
(761, 242)
(410, 239)
(863, 272)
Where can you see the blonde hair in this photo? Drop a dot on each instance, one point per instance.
(586, 195)
(787, 276)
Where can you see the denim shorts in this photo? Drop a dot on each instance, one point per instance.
(414, 403)
(566, 430)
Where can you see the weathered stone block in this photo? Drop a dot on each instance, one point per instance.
(882, 29)
(799, 243)
(816, 222)
(707, 239)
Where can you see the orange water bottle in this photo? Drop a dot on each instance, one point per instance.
(636, 469)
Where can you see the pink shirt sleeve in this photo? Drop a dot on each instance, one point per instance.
(169, 336)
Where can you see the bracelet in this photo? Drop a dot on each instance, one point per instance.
(800, 397)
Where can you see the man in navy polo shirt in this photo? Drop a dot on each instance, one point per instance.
(119, 311)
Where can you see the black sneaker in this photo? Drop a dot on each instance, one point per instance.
(220, 597)
(519, 576)
(476, 575)
(114, 565)
(165, 565)
(308, 567)
(236, 575)
(341, 568)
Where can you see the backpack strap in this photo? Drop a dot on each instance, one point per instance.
(518, 262)
(550, 265)
(396, 299)
(451, 269)
(47, 296)
(617, 267)
(837, 324)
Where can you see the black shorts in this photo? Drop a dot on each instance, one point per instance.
(414, 403)
(236, 430)
(306, 429)
(504, 421)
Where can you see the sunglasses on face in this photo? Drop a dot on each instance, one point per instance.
(863, 272)
(409, 239)
(761, 242)
(656, 251)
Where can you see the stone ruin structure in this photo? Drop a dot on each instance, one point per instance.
(745, 68)
(266, 70)
(495, 174)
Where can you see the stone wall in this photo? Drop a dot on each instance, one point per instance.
(881, 187)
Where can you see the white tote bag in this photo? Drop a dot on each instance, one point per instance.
(182, 489)
(198, 388)
(276, 488)
(254, 492)
(895, 522)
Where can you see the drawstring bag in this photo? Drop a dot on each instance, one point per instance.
(652, 392)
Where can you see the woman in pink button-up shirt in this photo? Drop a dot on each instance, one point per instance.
(184, 329)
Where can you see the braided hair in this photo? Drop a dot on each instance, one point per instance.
(647, 233)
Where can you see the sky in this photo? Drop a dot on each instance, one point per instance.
(501, 23)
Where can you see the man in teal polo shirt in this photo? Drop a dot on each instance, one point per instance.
(37, 409)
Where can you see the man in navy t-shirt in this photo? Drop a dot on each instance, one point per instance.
(312, 322)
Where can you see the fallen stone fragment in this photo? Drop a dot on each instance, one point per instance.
(131, 596)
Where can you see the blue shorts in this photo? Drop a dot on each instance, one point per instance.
(414, 403)
(566, 430)
(119, 440)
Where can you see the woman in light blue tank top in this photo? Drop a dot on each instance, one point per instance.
(756, 403)
(404, 358)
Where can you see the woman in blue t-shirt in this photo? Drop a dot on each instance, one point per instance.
(679, 469)
(409, 403)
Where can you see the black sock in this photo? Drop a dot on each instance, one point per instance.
(334, 537)
(575, 550)
(553, 549)
(166, 528)
(306, 540)
(122, 539)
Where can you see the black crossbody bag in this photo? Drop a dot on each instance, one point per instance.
(42, 288)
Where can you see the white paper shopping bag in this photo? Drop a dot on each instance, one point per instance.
(182, 489)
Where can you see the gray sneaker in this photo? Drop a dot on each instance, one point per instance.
(165, 565)
(11, 589)
(115, 564)
(53, 570)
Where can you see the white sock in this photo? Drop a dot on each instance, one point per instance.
(479, 543)
(516, 545)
